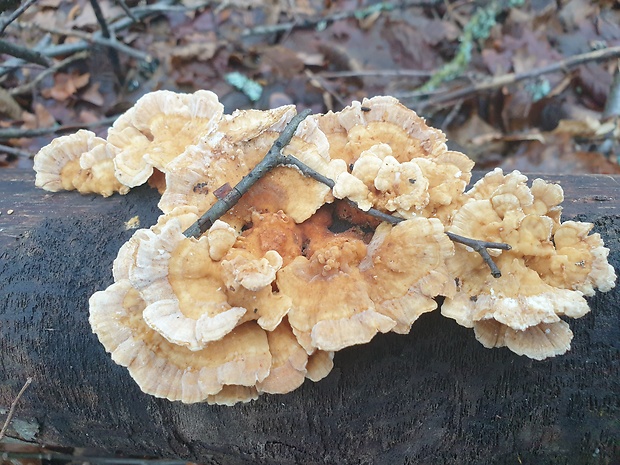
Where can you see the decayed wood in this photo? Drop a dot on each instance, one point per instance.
(432, 396)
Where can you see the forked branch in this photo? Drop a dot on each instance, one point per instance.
(275, 158)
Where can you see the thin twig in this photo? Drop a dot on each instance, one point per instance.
(139, 12)
(29, 86)
(105, 32)
(14, 151)
(15, 133)
(375, 73)
(13, 63)
(9, 417)
(24, 53)
(127, 10)
(275, 158)
(360, 14)
(161, 6)
(477, 245)
(13, 16)
(98, 39)
(511, 78)
(261, 169)
(103, 24)
(481, 247)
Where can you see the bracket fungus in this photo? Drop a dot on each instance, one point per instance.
(157, 129)
(545, 275)
(316, 234)
(80, 161)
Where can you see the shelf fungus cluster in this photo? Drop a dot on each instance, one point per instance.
(286, 238)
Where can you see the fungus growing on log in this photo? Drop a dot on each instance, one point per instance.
(545, 275)
(80, 161)
(157, 129)
(286, 238)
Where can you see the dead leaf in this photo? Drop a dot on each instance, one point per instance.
(577, 11)
(588, 128)
(201, 51)
(476, 136)
(41, 118)
(596, 81)
(558, 156)
(65, 85)
(280, 61)
(311, 59)
(437, 31)
(92, 95)
(88, 117)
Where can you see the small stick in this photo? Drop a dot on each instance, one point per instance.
(481, 247)
(270, 161)
(105, 32)
(29, 86)
(9, 417)
(98, 39)
(275, 158)
(13, 16)
(511, 78)
(360, 13)
(24, 53)
(375, 73)
(139, 12)
(478, 245)
(13, 63)
(15, 152)
(16, 133)
(127, 11)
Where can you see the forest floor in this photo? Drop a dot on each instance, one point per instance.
(521, 85)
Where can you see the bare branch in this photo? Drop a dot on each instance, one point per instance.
(481, 247)
(360, 13)
(9, 417)
(98, 39)
(511, 78)
(14, 133)
(29, 86)
(13, 151)
(13, 16)
(105, 32)
(13, 63)
(375, 73)
(275, 158)
(127, 10)
(270, 161)
(24, 53)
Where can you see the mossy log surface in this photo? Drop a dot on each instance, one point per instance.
(433, 396)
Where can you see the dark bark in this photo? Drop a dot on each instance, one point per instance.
(432, 396)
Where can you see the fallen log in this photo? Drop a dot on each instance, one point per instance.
(433, 396)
